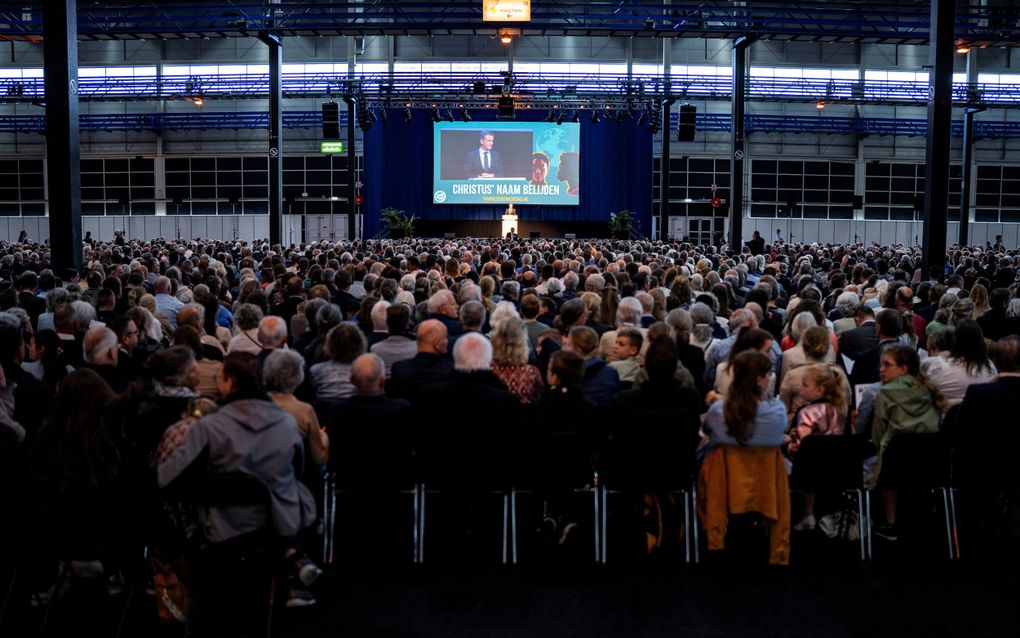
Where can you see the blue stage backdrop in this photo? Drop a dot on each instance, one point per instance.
(616, 173)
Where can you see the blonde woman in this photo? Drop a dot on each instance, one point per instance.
(510, 358)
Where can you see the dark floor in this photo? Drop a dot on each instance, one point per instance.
(826, 592)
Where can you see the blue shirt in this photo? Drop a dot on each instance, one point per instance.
(767, 430)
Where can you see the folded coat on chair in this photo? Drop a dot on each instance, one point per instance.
(739, 480)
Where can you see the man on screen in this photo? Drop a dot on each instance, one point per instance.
(483, 161)
(539, 169)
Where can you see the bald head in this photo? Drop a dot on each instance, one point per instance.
(100, 346)
(368, 374)
(432, 337)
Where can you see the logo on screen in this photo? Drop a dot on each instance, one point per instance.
(439, 197)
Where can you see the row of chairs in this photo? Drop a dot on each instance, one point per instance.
(643, 460)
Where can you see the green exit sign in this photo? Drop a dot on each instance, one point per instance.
(331, 147)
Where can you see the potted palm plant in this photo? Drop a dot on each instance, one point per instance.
(619, 224)
(399, 224)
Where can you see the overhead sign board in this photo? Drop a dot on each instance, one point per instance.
(506, 10)
(331, 147)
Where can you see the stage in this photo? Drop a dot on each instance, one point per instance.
(492, 228)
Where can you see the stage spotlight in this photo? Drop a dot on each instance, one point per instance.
(365, 117)
(383, 115)
(449, 115)
(594, 117)
(465, 116)
(550, 116)
(641, 118)
(576, 117)
(562, 118)
(619, 117)
(435, 116)
(407, 114)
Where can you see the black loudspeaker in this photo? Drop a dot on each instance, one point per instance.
(505, 110)
(857, 201)
(919, 203)
(791, 201)
(330, 121)
(688, 118)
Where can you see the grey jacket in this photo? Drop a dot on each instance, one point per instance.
(253, 437)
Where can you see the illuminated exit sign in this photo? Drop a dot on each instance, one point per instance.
(506, 10)
(331, 147)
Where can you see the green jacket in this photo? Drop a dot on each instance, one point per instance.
(903, 406)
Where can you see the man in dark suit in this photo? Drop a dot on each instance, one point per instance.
(986, 434)
(27, 298)
(370, 405)
(430, 365)
(483, 161)
(888, 327)
(853, 342)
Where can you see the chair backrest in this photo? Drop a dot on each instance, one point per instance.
(915, 461)
(830, 463)
(653, 452)
(372, 456)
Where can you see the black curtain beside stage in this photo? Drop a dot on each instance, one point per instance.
(616, 174)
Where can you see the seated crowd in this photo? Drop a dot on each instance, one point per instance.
(163, 355)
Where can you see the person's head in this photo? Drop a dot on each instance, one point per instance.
(583, 341)
(100, 346)
(175, 367)
(283, 371)
(443, 303)
(628, 342)
(65, 320)
(750, 381)
(432, 337)
(569, 168)
(889, 324)
(193, 315)
(1007, 354)
(539, 168)
(750, 339)
(127, 333)
(823, 383)
(898, 360)
(941, 341)
(75, 418)
(661, 358)
(247, 316)
(969, 347)
(378, 315)
(572, 313)
(628, 312)
(368, 374)
(397, 319)
(815, 342)
(509, 342)
(800, 325)
(566, 371)
(239, 376)
(486, 139)
(961, 311)
(345, 343)
(272, 332)
(472, 316)
(862, 314)
(472, 353)
(531, 305)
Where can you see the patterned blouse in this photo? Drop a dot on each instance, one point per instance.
(524, 381)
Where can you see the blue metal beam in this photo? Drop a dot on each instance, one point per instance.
(902, 22)
(540, 89)
(254, 120)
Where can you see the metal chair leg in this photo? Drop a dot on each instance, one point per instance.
(421, 524)
(952, 508)
(694, 521)
(415, 531)
(949, 528)
(64, 575)
(506, 524)
(687, 526)
(867, 514)
(861, 521)
(598, 536)
(605, 528)
(513, 524)
(329, 518)
(8, 594)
